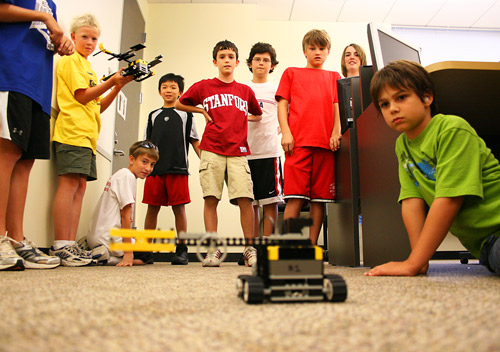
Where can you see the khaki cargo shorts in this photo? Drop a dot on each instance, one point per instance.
(216, 168)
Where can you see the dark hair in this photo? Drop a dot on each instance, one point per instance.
(262, 48)
(171, 77)
(224, 45)
(144, 148)
(403, 74)
(361, 55)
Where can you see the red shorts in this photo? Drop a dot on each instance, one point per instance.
(166, 189)
(310, 174)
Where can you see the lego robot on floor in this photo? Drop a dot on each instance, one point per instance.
(288, 269)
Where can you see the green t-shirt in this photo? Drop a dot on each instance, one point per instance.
(449, 159)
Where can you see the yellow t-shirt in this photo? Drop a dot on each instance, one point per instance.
(76, 124)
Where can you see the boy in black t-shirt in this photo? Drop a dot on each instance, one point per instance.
(172, 131)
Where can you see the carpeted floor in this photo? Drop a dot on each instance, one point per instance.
(171, 308)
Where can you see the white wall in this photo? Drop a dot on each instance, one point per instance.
(185, 35)
(453, 45)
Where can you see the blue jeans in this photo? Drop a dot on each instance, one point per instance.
(490, 254)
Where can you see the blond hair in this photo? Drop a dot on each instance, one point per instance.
(85, 20)
(318, 37)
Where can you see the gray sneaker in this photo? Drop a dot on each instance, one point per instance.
(71, 256)
(9, 260)
(99, 253)
(35, 258)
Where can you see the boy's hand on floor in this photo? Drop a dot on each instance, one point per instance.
(128, 259)
(393, 269)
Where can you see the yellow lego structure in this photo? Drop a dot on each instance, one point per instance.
(143, 240)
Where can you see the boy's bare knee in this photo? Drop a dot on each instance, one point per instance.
(211, 201)
(153, 209)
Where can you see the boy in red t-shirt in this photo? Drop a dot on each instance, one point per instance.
(226, 106)
(308, 115)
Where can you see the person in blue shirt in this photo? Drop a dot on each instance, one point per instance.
(30, 37)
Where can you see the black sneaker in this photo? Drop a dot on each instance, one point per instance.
(181, 255)
(241, 261)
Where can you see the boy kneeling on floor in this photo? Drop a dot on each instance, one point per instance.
(116, 205)
(450, 180)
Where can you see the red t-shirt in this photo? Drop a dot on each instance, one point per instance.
(311, 94)
(228, 104)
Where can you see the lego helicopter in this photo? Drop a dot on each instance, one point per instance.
(139, 68)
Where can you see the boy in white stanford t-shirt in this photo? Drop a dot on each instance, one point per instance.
(224, 147)
(116, 205)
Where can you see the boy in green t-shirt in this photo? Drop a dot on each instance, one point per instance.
(450, 180)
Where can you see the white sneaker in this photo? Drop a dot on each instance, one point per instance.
(35, 258)
(250, 255)
(212, 259)
(9, 259)
(71, 256)
(99, 253)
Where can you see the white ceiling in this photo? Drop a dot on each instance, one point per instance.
(475, 14)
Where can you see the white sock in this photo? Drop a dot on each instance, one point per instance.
(58, 244)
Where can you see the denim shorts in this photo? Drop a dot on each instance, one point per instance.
(490, 253)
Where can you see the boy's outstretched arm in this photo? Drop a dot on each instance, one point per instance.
(437, 224)
(287, 141)
(414, 212)
(194, 109)
(336, 132)
(117, 81)
(126, 222)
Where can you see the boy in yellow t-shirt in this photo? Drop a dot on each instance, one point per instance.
(75, 136)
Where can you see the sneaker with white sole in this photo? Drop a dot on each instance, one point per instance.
(212, 259)
(9, 260)
(33, 257)
(99, 253)
(250, 255)
(71, 256)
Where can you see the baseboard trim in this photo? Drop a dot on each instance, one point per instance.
(234, 257)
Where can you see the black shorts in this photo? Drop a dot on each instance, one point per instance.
(267, 180)
(146, 257)
(23, 122)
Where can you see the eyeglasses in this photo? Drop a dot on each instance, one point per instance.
(145, 144)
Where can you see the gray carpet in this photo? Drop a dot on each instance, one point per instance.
(169, 308)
